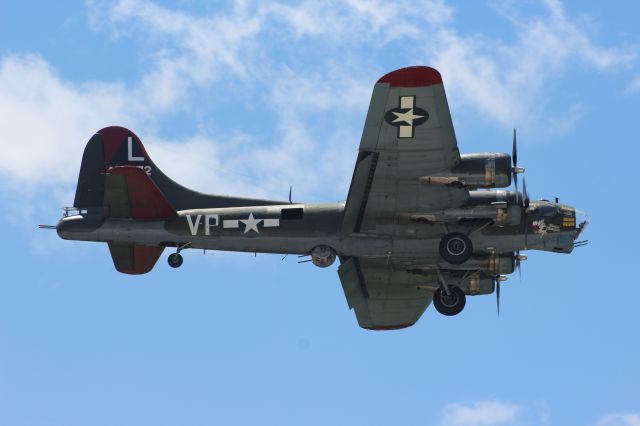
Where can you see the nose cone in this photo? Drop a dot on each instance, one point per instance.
(582, 220)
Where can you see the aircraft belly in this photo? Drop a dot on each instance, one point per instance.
(390, 248)
(262, 245)
(148, 232)
(154, 233)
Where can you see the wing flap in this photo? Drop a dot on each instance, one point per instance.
(353, 283)
(361, 185)
(381, 297)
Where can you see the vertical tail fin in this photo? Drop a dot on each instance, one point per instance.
(116, 146)
(130, 193)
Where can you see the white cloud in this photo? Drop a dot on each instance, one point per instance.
(501, 81)
(628, 419)
(311, 65)
(635, 85)
(46, 120)
(482, 413)
(506, 81)
(374, 22)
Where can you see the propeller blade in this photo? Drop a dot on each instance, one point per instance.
(518, 265)
(525, 195)
(515, 170)
(498, 296)
(290, 188)
(514, 155)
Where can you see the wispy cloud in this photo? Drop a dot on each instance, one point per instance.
(620, 419)
(491, 412)
(634, 86)
(482, 413)
(315, 102)
(505, 81)
(46, 120)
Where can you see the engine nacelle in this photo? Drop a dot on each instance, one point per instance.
(480, 285)
(323, 256)
(491, 264)
(500, 208)
(480, 170)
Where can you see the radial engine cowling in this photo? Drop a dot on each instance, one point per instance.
(480, 284)
(323, 256)
(491, 264)
(480, 170)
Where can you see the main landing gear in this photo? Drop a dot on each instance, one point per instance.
(449, 302)
(175, 259)
(456, 248)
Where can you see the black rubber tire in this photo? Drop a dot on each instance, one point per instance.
(456, 248)
(175, 260)
(449, 305)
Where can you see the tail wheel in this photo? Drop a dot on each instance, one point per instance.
(175, 260)
(456, 248)
(449, 304)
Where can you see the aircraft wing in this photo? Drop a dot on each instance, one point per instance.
(382, 297)
(408, 134)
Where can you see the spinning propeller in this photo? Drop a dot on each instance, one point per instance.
(515, 170)
(525, 194)
(518, 258)
(499, 279)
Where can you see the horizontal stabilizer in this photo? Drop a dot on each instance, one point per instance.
(134, 259)
(130, 193)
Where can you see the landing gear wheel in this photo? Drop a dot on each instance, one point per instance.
(175, 260)
(456, 248)
(449, 304)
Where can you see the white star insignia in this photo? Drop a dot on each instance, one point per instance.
(251, 224)
(406, 117)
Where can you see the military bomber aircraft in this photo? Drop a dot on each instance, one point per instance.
(419, 223)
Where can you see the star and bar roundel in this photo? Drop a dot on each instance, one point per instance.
(406, 116)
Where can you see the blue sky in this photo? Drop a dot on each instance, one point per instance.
(250, 97)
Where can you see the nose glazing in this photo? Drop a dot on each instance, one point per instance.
(582, 220)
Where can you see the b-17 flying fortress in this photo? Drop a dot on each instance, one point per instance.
(421, 222)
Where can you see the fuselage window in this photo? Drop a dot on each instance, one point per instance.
(292, 213)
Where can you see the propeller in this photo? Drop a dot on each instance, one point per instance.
(498, 280)
(515, 170)
(290, 188)
(514, 155)
(519, 257)
(525, 204)
(498, 296)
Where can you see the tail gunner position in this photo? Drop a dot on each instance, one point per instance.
(419, 223)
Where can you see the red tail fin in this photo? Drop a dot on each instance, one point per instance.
(114, 147)
(130, 190)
